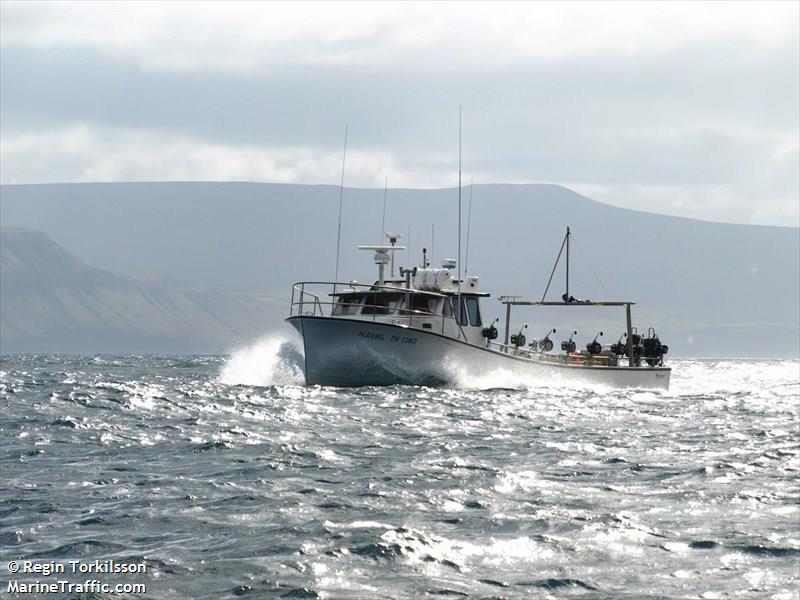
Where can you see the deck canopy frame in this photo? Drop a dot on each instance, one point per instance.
(510, 301)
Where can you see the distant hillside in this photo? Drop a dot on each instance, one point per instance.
(50, 301)
(709, 288)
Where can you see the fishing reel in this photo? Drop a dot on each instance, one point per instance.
(545, 344)
(568, 346)
(620, 348)
(653, 350)
(490, 333)
(594, 347)
(518, 339)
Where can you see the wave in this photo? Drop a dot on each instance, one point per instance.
(273, 360)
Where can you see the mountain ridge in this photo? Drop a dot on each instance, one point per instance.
(51, 301)
(454, 190)
(710, 288)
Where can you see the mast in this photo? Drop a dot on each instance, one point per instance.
(341, 193)
(631, 361)
(567, 264)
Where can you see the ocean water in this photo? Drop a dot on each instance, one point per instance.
(229, 479)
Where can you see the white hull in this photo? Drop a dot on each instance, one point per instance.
(350, 352)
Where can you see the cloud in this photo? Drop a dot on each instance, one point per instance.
(85, 154)
(251, 36)
(672, 107)
(700, 201)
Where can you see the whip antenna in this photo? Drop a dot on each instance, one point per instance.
(341, 193)
(433, 241)
(383, 221)
(469, 221)
(408, 243)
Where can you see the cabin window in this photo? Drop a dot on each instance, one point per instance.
(347, 305)
(380, 304)
(447, 308)
(462, 313)
(474, 312)
(470, 312)
(422, 303)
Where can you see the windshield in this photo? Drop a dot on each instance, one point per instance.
(348, 304)
(381, 304)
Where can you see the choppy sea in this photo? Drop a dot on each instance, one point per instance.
(228, 478)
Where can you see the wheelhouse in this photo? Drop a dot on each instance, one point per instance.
(464, 309)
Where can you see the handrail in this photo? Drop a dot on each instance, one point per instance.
(374, 287)
(301, 302)
(370, 286)
(575, 359)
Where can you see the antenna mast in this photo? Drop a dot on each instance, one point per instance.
(408, 244)
(469, 222)
(433, 242)
(461, 310)
(341, 193)
(383, 221)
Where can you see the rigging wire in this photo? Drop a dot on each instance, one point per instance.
(591, 267)
(553, 272)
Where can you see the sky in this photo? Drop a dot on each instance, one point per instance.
(688, 109)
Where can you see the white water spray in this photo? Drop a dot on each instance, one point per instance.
(517, 379)
(273, 360)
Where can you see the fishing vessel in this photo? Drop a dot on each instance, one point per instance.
(427, 327)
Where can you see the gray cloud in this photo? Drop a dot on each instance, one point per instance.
(704, 127)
